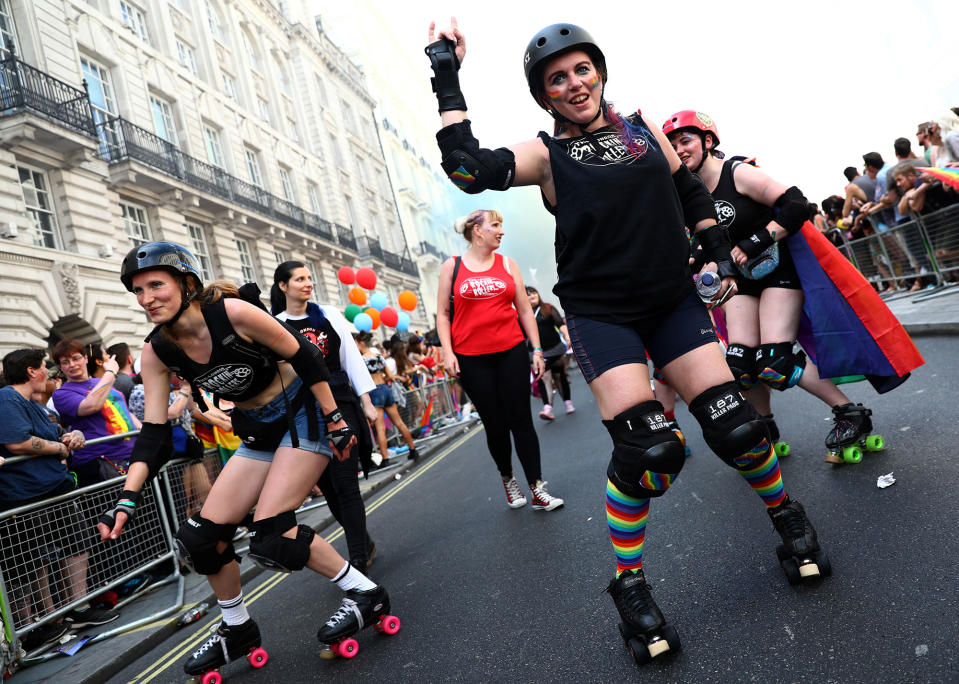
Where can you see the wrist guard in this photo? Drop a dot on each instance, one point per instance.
(792, 210)
(697, 203)
(154, 446)
(127, 504)
(757, 243)
(334, 416)
(446, 82)
(716, 248)
(340, 439)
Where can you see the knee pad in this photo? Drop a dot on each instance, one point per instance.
(778, 366)
(271, 550)
(647, 454)
(196, 544)
(731, 426)
(742, 362)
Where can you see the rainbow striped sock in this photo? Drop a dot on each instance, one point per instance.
(626, 517)
(765, 478)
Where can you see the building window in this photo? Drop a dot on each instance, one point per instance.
(286, 182)
(136, 225)
(8, 30)
(229, 87)
(163, 119)
(211, 140)
(263, 107)
(283, 79)
(186, 57)
(313, 193)
(36, 196)
(213, 21)
(201, 250)
(135, 20)
(253, 168)
(316, 276)
(102, 102)
(251, 54)
(279, 255)
(247, 271)
(337, 152)
(348, 117)
(321, 89)
(351, 212)
(294, 131)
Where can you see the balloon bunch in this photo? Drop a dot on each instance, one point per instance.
(366, 313)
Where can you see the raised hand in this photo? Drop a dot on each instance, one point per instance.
(453, 35)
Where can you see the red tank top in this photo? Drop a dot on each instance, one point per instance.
(484, 319)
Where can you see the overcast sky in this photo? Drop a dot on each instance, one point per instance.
(806, 88)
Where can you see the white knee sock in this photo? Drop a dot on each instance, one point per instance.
(351, 578)
(234, 610)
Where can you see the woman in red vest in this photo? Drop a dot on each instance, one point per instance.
(485, 347)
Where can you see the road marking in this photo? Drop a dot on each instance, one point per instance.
(169, 658)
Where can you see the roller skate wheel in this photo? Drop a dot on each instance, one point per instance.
(212, 678)
(348, 648)
(782, 449)
(672, 638)
(852, 454)
(258, 657)
(822, 560)
(388, 624)
(791, 568)
(875, 443)
(328, 653)
(638, 650)
(657, 647)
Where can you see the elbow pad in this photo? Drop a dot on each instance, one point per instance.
(697, 203)
(473, 168)
(308, 362)
(792, 210)
(154, 446)
(716, 247)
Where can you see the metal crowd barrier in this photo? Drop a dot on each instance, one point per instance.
(416, 400)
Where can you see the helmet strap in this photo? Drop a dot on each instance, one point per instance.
(702, 139)
(186, 300)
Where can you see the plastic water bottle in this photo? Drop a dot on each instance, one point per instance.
(193, 615)
(708, 284)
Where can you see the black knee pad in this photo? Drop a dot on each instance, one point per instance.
(742, 362)
(271, 550)
(647, 454)
(778, 366)
(196, 543)
(731, 426)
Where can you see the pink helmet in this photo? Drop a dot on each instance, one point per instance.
(690, 118)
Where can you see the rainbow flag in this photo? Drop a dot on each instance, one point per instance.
(213, 437)
(426, 422)
(948, 176)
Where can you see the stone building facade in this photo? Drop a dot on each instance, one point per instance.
(231, 126)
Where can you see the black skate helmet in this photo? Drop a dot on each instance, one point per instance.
(168, 256)
(553, 41)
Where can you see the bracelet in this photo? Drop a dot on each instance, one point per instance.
(185, 394)
(107, 370)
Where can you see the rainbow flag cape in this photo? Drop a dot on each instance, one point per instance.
(426, 422)
(846, 328)
(948, 176)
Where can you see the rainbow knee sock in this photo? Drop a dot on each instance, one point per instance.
(765, 478)
(626, 517)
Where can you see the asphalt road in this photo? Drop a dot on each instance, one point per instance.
(490, 594)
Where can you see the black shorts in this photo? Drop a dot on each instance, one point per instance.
(785, 276)
(600, 346)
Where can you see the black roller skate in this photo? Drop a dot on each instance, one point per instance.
(226, 643)
(800, 554)
(781, 448)
(850, 435)
(643, 627)
(360, 609)
(674, 426)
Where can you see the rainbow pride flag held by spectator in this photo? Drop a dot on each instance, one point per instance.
(213, 437)
(846, 328)
(426, 422)
(948, 176)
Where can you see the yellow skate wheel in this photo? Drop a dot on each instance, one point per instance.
(875, 443)
(852, 454)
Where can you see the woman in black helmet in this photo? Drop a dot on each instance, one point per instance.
(621, 198)
(290, 425)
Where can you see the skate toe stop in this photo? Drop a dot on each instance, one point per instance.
(658, 647)
(809, 570)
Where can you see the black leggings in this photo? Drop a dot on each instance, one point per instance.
(498, 386)
(555, 366)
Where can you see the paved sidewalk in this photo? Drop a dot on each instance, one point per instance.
(928, 312)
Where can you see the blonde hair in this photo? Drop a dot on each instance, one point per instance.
(464, 224)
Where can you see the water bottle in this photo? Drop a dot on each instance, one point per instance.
(708, 284)
(193, 615)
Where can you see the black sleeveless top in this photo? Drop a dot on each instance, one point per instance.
(547, 324)
(621, 247)
(237, 370)
(317, 328)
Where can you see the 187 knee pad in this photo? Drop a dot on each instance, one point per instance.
(196, 544)
(742, 362)
(271, 550)
(647, 454)
(778, 366)
(731, 426)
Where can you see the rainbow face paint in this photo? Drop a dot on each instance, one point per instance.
(554, 95)
(594, 82)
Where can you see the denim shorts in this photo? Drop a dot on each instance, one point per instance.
(277, 408)
(382, 396)
(600, 346)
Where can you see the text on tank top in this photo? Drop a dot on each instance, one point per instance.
(621, 247)
(486, 321)
(319, 331)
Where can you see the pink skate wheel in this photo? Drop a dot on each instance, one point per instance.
(258, 657)
(212, 678)
(389, 624)
(347, 648)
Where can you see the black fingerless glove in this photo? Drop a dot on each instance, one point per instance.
(756, 244)
(716, 247)
(340, 439)
(127, 504)
(446, 82)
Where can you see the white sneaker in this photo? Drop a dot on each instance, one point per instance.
(543, 500)
(514, 495)
(569, 406)
(547, 412)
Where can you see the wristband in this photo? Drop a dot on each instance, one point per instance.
(334, 416)
(107, 370)
(757, 243)
(185, 394)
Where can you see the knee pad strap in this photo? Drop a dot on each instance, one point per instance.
(742, 362)
(271, 550)
(647, 454)
(196, 544)
(778, 366)
(731, 426)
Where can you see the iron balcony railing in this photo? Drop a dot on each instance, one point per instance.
(23, 87)
(409, 268)
(370, 246)
(394, 261)
(427, 247)
(121, 140)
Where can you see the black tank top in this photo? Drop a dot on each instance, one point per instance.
(621, 248)
(318, 330)
(547, 323)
